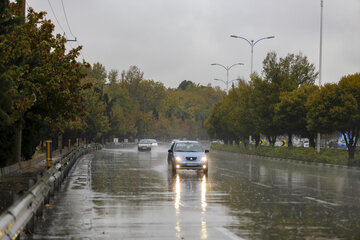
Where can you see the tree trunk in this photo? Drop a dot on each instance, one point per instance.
(350, 141)
(18, 141)
(351, 151)
(245, 141)
(272, 140)
(312, 141)
(257, 139)
(290, 144)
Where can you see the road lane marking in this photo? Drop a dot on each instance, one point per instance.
(226, 175)
(229, 234)
(227, 170)
(263, 185)
(323, 202)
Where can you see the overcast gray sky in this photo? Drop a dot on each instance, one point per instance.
(176, 40)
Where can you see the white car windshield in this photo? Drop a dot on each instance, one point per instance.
(188, 147)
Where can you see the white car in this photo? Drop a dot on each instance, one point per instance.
(153, 142)
(144, 145)
(174, 140)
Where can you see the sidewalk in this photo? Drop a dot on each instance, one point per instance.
(18, 178)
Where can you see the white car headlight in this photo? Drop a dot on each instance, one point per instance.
(178, 159)
(204, 159)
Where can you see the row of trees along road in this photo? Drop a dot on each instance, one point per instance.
(129, 106)
(40, 81)
(45, 92)
(285, 101)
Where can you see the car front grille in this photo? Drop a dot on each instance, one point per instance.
(191, 158)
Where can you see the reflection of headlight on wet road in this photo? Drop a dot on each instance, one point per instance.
(204, 159)
(178, 159)
(178, 192)
(203, 193)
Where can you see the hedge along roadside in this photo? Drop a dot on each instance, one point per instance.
(20, 217)
(327, 156)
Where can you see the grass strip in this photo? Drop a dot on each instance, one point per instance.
(327, 155)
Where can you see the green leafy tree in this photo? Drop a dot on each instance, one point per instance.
(184, 85)
(336, 107)
(97, 123)
(279, 76)
(43, 77)
(120, 110)
(113, 76)
(131, 80)
(291, 112)
(264, 96)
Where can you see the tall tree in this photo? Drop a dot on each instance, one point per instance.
(279, 76)
(113, 76)
(44, 78)
(336, 107)
(291, 112)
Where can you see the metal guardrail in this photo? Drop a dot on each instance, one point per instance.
(21, 215)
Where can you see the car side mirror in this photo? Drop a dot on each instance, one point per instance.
(206, 151)
(169, 151)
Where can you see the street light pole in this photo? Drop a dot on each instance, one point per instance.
(252, 44)
(321, 27)
(227, 68)
(320, 66)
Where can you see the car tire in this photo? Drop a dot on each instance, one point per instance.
(205, 171)
(173, 169)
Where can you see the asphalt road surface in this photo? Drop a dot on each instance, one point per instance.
(126, 194)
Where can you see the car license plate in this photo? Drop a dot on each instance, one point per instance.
(143, 148)
(191, 164)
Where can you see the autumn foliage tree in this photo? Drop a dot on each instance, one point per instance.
(43, 79)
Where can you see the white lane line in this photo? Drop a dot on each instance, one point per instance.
(226, 175)
(229, 234)
(323, 202)
(227, 170)
(263, 185)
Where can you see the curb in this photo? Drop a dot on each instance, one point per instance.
(292, 161)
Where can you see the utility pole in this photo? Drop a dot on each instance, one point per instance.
(23, 8)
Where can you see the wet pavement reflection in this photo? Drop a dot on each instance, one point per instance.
(126, 194)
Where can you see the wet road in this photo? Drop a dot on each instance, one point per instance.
(125, 194)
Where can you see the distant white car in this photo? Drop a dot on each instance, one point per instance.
(153, 142)
(174, 140)
(144, 145)
(218, 142)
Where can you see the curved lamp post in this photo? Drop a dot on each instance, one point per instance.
(252, 44)
(227, 68)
